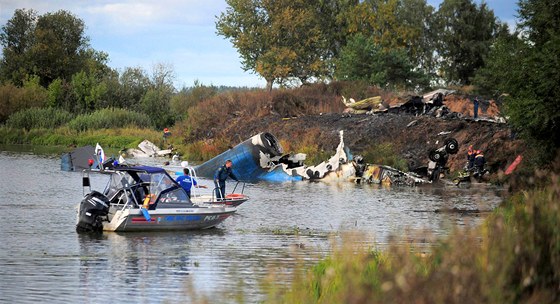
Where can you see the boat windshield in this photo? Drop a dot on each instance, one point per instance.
(136, 187)
(158, 182)
(117, 182)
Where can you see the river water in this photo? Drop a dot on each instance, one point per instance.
(42, 258)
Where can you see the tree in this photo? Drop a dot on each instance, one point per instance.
(466, 32)
(396, 26)
(51, 46)
(14, 99)
(134, 84)
(276, 39)
(88, 91)
(527, 70)
(189, 97)
(363, 59)
(333, 22)
(539, 20)
(60, 45)
(417, 17)
(155, 103)
(17, 38)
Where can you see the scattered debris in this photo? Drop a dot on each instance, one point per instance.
(148, 149)
(363, 106)
(78, 159)
(441, 103)
(514, 165)
(261, 158)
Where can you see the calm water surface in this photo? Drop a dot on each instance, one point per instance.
(42, 258)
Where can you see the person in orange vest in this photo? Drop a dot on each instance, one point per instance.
(471, 154)
(479, 161)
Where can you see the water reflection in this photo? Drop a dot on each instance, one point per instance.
(44, 259)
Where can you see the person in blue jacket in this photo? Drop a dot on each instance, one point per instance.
(186, 181)
(475, 105)
(220, 177)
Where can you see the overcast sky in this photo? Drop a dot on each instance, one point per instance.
(179, 33)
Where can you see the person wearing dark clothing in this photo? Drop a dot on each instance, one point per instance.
(220, 178)
(479, 161)
(470, 157)
(475, 104)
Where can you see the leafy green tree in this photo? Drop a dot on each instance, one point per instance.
(59, 46)
(333, 22)
(363, 59)
(134, 84)
(89, 92)
(55, 93)
(540, 20)
(276, 39)
(466, 32)
(17, 38)
(188, 97)
(155, 103)
(50, 46)
(526, 69)
(396, 25)
(419, 42)
(13, 99)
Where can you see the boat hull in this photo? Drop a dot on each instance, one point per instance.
(167, 219)
(232, 200)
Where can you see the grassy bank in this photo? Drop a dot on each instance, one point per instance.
(513, 258)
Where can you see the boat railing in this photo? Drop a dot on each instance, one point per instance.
(195, 191)
(222, 195)
(242, 189)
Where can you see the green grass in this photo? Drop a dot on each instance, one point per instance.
(385, 154)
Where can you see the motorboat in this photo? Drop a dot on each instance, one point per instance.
(143, 198)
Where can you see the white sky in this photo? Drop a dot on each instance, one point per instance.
(180, 33)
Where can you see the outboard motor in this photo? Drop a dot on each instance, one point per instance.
(93, 209)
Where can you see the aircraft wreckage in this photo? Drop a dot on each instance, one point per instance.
(261, 157)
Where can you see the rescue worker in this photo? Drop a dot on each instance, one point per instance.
(220, 178)
(471, 154)
(479, 162)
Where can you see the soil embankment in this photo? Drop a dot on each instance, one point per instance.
(411, 136)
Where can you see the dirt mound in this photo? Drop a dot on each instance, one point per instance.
(412, 136)
(464, 105)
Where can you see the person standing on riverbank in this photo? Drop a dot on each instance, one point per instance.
(220, 178)
(475, 105)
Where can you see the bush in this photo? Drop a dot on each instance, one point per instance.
(513, 258)
(14, 99)
(38, 118)
(109, 118)
(385, 154)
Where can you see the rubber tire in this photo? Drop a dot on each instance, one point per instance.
(451, 146)
(435, 156)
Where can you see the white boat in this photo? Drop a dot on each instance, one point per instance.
(144, 198)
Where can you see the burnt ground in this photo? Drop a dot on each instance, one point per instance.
(411, 136)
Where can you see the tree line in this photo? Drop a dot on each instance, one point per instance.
(390, 43)
(47, 61)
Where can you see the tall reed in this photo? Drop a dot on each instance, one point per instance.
(110, 118)
(39, 118)
(513, 258)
